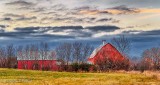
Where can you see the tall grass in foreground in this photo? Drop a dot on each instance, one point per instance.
(28, 77)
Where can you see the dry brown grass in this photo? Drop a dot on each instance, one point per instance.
(26, 77)
(155, 74)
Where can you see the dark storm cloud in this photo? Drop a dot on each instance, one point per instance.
(103, 28)
(140, 33)
(25, 35)
(153, 32)
(73, 32)
(46, 29)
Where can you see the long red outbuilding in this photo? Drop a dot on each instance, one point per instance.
(38, 64)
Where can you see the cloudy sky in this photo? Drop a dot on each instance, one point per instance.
(56, 21)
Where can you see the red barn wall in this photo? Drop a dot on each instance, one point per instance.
(29, 64)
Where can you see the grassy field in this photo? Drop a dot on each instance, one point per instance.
(26, 77)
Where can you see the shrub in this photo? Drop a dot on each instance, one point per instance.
(75, 67)
(81, 67)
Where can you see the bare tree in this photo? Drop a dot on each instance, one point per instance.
(86, 51)
(26, 54)
(64, 53)
(10, 51)
(3, 59)
(77, 48)
(52, 56)
(76, 52)
(122, 43)
(68, 52)
(151, 58)
(21, 56)
(44, 50)
(34, 55)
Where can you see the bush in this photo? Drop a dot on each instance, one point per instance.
(75, 67)
(85, 67)
(81, 67)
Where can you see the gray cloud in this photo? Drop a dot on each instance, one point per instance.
(115, 21)
(16, 17)
(26, 18)
(67, 19)
(20, 3)
(122, 9)
(140, 33)
(59, 7)
(7, 19)
(104, 20)
(12, 15)
(104, 12)
(135, 3)
(149, 33)
(2, 28)
(125, 10)
(85, 8)
(103, 28)
(39, 9)
(72, 32)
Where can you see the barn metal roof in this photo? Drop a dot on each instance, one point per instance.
(96, 50)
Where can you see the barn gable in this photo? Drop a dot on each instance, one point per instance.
(107, 50)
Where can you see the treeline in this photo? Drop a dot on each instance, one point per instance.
(150, 60)
(71, 56)
(74, 56)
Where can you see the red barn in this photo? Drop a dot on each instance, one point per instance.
(106, 51)
(36, 62)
